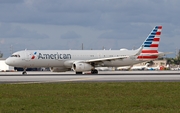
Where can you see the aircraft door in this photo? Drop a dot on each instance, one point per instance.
(27, 56)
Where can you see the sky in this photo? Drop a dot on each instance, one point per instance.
(98, 24)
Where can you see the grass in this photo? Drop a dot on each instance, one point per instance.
(135, 97)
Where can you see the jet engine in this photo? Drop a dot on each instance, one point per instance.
(80, 67)
(59, 69)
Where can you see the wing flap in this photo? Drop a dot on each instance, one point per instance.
(106, 59)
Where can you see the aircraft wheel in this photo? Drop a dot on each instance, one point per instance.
(24, 72)
(94, 71)
(79, 73)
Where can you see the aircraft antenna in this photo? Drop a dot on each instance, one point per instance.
(1, 54)
(11, 49)
(82, 46)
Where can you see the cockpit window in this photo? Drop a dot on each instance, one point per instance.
(15, 55)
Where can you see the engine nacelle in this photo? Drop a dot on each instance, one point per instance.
(80, 67)
(59, 69)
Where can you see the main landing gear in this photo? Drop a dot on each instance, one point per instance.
(79, 73)
(94, 71)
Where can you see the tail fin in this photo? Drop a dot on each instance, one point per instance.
(151, 44)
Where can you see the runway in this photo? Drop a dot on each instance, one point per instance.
(103, 76)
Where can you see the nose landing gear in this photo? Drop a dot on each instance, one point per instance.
(24, 72)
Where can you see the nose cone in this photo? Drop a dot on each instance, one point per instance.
(8, 61)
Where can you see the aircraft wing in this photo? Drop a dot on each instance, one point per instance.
(94, 61)
(106, 59)
(113, 58)
(101, 60)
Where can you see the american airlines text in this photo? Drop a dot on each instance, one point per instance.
(54, 56)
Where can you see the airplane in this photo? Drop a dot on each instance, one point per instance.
(104, 68)
(140, 67)
(124, 68)
(153, 68)
(87, 60)
(127, 68)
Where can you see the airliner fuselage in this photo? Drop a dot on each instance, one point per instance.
(65, 58)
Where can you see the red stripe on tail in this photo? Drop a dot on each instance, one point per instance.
(147, 57)
(156, 39)
(158, 33)
(160, 27)
(154, 45)
(149, 51)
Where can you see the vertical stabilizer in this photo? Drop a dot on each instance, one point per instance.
(151, 44)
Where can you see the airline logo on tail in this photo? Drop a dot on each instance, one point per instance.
(151, 44)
